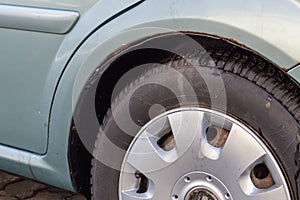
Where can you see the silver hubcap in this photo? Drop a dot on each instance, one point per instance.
(199, 154)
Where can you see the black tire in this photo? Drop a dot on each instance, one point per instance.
(258, 94)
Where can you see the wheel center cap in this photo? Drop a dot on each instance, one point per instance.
(199, 185)
(200, 194)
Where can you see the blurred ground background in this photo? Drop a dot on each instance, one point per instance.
(13, 187)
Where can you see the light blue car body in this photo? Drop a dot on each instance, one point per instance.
(50, 48)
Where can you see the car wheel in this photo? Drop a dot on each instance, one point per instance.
(173, 133)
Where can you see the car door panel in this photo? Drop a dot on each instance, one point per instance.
(33, 34)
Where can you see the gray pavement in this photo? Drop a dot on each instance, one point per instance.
(18, 188)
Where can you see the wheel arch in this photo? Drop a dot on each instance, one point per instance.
(110, 71)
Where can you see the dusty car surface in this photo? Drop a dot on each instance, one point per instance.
(149, 99)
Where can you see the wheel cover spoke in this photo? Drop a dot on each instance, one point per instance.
(242, 148)
(146, 156)
(186, 128)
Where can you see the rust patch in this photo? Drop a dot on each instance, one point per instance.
(285, 69)
(231, 40)
(125, 47)
(145, 39)
(236, 42)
